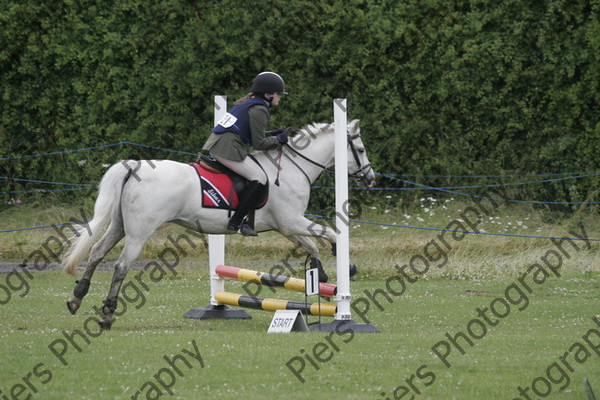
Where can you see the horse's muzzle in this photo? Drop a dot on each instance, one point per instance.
(368, 179)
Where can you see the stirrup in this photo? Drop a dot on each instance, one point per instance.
(246, 230)
(242, 228)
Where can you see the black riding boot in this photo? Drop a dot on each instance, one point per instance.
(249, 200)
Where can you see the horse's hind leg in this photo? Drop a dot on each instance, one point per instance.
(132, 249)
(99, 251)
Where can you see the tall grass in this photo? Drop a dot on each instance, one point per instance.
(375, 248)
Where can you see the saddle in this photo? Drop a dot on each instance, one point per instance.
(212, 165)
(220, 186)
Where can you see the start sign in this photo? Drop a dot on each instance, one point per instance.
(285, 321)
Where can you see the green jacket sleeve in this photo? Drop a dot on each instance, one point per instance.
(259, 117)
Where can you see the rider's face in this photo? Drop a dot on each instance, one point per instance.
(275, 99)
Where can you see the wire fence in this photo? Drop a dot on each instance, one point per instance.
(392, 177)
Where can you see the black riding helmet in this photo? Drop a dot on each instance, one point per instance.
(268, 82)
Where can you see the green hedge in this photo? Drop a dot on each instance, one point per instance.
(442, 87)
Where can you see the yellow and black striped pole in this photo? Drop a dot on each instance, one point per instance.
(234, 299)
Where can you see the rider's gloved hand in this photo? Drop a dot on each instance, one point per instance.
(283, 138)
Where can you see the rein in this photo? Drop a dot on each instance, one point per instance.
(359, 174)
(304, 157)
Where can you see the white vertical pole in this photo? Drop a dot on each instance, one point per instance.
(342, 210)
(216, 243)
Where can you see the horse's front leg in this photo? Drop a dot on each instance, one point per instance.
(313, 252)
(323, 234)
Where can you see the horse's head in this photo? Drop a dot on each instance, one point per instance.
(318, 140)
(359, 166)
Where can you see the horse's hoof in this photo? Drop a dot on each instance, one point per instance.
(73, 305)
(106, 322)
(323, 277)
(316, 263)
(105, 325)
(353, 272)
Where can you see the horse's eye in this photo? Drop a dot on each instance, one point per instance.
(361, 150)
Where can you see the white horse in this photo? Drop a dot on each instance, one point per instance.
(168, 191)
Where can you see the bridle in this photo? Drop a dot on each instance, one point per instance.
(362, 171)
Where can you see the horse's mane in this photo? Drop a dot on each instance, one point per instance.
(309, 131)
(315, 128)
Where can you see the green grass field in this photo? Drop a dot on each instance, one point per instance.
(534, 331)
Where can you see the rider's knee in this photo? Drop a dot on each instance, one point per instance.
(262, 179)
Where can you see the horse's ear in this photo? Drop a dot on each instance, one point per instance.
(354, 125)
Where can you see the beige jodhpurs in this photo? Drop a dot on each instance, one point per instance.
(247, 168)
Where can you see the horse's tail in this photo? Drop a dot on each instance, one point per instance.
(107, 203)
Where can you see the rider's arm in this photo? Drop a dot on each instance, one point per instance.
(259, 117)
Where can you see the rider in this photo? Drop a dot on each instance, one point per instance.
(242, 127)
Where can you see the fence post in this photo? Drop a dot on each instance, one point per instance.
(343, 316)
(216, 256)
